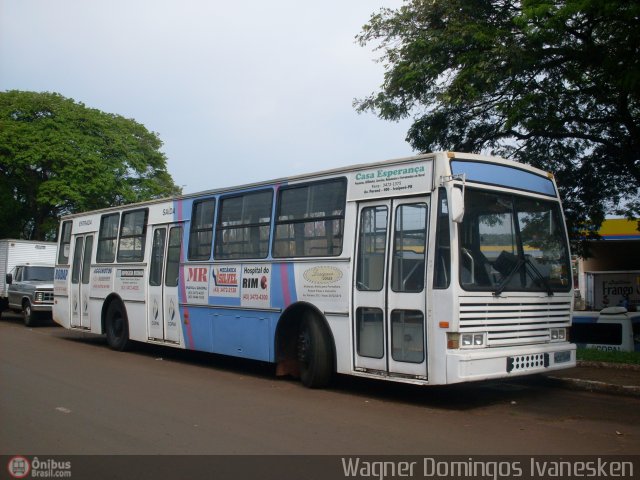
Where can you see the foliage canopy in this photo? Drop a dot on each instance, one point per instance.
(555, 84)
(58, 156)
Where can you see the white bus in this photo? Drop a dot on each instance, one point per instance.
(433, 269)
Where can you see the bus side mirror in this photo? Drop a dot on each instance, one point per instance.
(457, 205)
(9, 279)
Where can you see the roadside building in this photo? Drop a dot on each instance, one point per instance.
(611, 276)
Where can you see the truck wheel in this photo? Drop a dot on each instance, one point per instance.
(315, 356)
(28, 315)
(117, 327)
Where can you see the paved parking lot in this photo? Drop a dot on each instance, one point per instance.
(66, 393)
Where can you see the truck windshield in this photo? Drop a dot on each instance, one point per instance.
(35, 274)
(512, 243)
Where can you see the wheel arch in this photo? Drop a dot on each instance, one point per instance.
(286, 334)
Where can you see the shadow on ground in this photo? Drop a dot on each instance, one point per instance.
(451, 397)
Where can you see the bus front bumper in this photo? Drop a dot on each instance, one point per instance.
(487, 363)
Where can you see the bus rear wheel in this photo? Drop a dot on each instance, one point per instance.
(117, 327)
(315, 357)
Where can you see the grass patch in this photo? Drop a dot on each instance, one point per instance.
(593, 355)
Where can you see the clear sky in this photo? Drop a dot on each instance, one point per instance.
(239, 91)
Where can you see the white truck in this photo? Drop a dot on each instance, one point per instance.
(612, 289)
(26, 277)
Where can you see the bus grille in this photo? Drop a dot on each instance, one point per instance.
(515, 323)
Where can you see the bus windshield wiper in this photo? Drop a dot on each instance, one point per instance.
(540, 277)
(533, 273)
(503, 283)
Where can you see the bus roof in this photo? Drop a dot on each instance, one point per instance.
(322, 173)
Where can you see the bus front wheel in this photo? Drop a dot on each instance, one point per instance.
(314, 353)
(117, 327)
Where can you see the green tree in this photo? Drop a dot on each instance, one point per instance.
(57, 157)
(555, 84)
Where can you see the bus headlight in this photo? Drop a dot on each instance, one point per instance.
(558, 334)
(472, 340)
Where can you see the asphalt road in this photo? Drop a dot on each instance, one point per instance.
(66, 393)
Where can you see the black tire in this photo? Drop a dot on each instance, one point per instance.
(315, 355)
(28, 315)
(117, 327)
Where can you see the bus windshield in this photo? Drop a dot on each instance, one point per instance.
(512, 243)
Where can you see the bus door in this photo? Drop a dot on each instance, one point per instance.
(80, 286)
(163, 308)
(389, 328)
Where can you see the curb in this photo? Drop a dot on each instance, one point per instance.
(596, 386)
(617, 366)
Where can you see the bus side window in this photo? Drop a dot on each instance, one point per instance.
(201, 230)
(442, 270)
(65, 243)
(172, 272)
(409, 248)
(371, 249)
(310, 219)
(244, 226)
(107, 238)
(133, 232)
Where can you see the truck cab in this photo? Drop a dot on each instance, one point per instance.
(30, 291)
